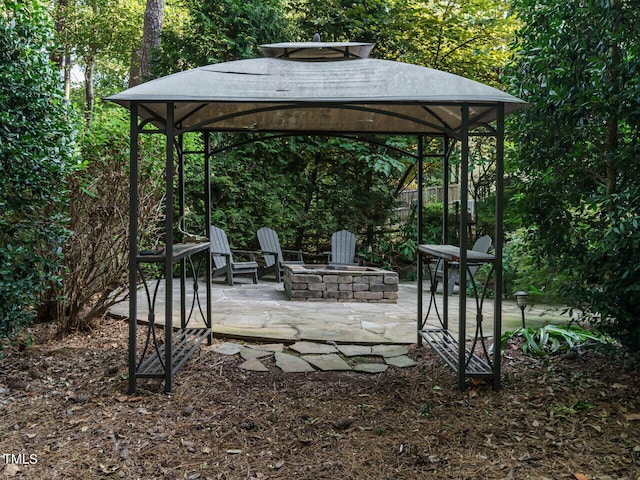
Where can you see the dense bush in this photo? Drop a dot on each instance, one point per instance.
(96, 255)
(303, 187)
(577, 151)
(36, 154)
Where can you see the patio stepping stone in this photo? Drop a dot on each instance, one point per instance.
(371, 367)
(268, 347)
(389, 350)
(306, 348)
(254, 365)
(326, 362)
(292, 364)
(401, 361)
(373, 327)
(249, 353)
(354, 350)
(228, 348)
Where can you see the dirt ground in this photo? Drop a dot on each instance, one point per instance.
(65, 414)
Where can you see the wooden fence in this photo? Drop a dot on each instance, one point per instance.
(408, 199)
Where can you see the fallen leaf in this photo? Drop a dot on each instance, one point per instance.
(278, 465)
(127, 398)
(629, 417)
(619, 386)
(580, 476)
(11, 470)
(187, 443)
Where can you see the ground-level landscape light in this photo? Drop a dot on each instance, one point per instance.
(521, 300)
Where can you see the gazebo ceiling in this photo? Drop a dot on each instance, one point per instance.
(316, 87)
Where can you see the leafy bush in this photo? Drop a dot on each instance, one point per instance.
(397, 250)
(555, 338)
(577, 151)
(97, 253)
(528, 268)
(608, 290)
(36, 155)
(305, 188)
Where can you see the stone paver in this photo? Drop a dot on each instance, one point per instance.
(401, 361)
(254, 365)
(371, 367)
(262, 313)
(354, 350)
(330, 361)
(389, 350)
(268, 347)
(249, 353)
(228, 348)
(292, 364)
(373, 327)
(307, 348)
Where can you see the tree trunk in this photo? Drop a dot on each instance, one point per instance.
(60, 56)
(89, 94)
(57, 55)
(612, 122)
(612, 146)
(309, 194)
(67, 76)
(141, 60)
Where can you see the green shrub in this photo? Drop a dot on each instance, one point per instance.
(557, 338)
(36, 155)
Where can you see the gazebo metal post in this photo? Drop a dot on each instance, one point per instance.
(499, 234)
(168, 264)
(133, 244)
(462, 270)
(446, 150)
(181, 206)
(445, 192)
(207, 211)
(420, 265)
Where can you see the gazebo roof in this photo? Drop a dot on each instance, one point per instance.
(316, 87)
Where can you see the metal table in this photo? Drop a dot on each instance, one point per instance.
(161, 358)
(454, 351)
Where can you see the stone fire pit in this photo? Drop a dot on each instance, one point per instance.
(332, 283)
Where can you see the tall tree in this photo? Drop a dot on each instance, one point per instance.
(61, 56)
(578, 149)
(221, 30)
(141, 59)
(468, 37)
(97, 37)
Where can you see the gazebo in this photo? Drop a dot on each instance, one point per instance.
(310, 88)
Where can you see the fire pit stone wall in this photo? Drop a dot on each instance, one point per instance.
(340, 283)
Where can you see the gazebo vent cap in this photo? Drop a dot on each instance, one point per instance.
(317, 51)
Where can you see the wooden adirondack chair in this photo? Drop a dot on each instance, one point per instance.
(343, 249)
(482, 244)
(274, 255)
(222, 258)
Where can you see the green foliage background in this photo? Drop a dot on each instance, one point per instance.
(36, 156)
(573, 164)
(578, 155)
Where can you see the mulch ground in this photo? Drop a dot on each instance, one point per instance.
(65, 414)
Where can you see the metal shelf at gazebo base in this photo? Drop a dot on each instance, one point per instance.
(447, 347)
(183, 346)
(163, 359)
